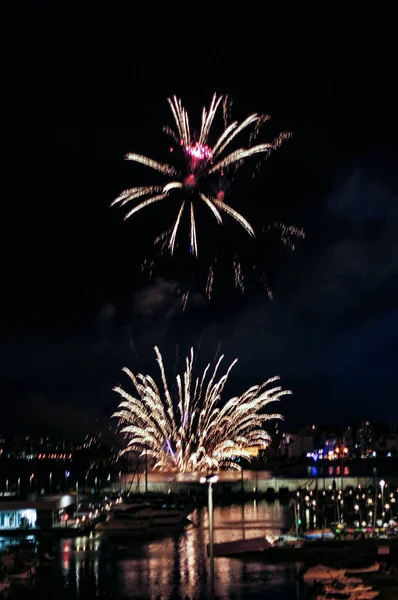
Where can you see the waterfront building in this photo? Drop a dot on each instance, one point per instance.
(37, 512)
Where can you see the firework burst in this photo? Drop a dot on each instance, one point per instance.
(196, 430)
(202, 162)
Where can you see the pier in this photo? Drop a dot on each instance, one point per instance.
(238, 482)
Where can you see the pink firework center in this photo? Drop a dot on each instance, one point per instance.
(199, 151)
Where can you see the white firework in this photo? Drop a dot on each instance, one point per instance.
(196, 430)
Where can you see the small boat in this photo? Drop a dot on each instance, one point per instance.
(335, 596)
(240, 547)
(353, 570)
(283, 543)
(349, 581)
(322, 573)
(319, 534)
(347, 588)
(367, 595)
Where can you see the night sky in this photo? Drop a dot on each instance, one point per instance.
(81, 92)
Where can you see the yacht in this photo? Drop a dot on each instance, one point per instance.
(143, 518)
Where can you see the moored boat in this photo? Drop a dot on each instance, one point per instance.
(322, 573)
(319, 534)
(348, 595)
(359, 570)
(141, 518)
(347, 587)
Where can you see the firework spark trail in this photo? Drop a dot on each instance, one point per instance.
(137, 192)
(238, 275)
(230, 211)
(194, 246)
(162, 241)
(287, 232)
(213, 209)
(145, 203)
(184, 300)
(242, 153)
(153, 164)
(197, 431)
(174, 232)
(202, 160)
(209, 283)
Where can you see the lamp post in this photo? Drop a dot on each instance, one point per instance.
(77, 500)
(51, 482)
(19, 485)
(6, 485)
(30, 482)
(382, 484)
(210, 480)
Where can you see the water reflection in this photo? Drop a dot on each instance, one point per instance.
(176, 565)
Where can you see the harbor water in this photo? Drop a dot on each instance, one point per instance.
(172, 565)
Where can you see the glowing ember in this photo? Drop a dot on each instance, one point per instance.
(190, 181)
(199, 151)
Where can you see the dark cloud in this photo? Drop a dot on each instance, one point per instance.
(159, 298)
(361, 197)
(106, 316)
(162, 298)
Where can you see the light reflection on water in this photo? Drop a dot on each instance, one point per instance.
(176, 565)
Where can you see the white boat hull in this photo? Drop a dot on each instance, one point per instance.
(143, 519)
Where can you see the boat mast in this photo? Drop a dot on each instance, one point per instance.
(146, 470)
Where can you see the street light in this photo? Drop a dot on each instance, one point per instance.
(67, 473)
(382, 483)
(210, 480)
(30, 482)
(51, 481)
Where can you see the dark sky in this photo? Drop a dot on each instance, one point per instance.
(84, 90)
